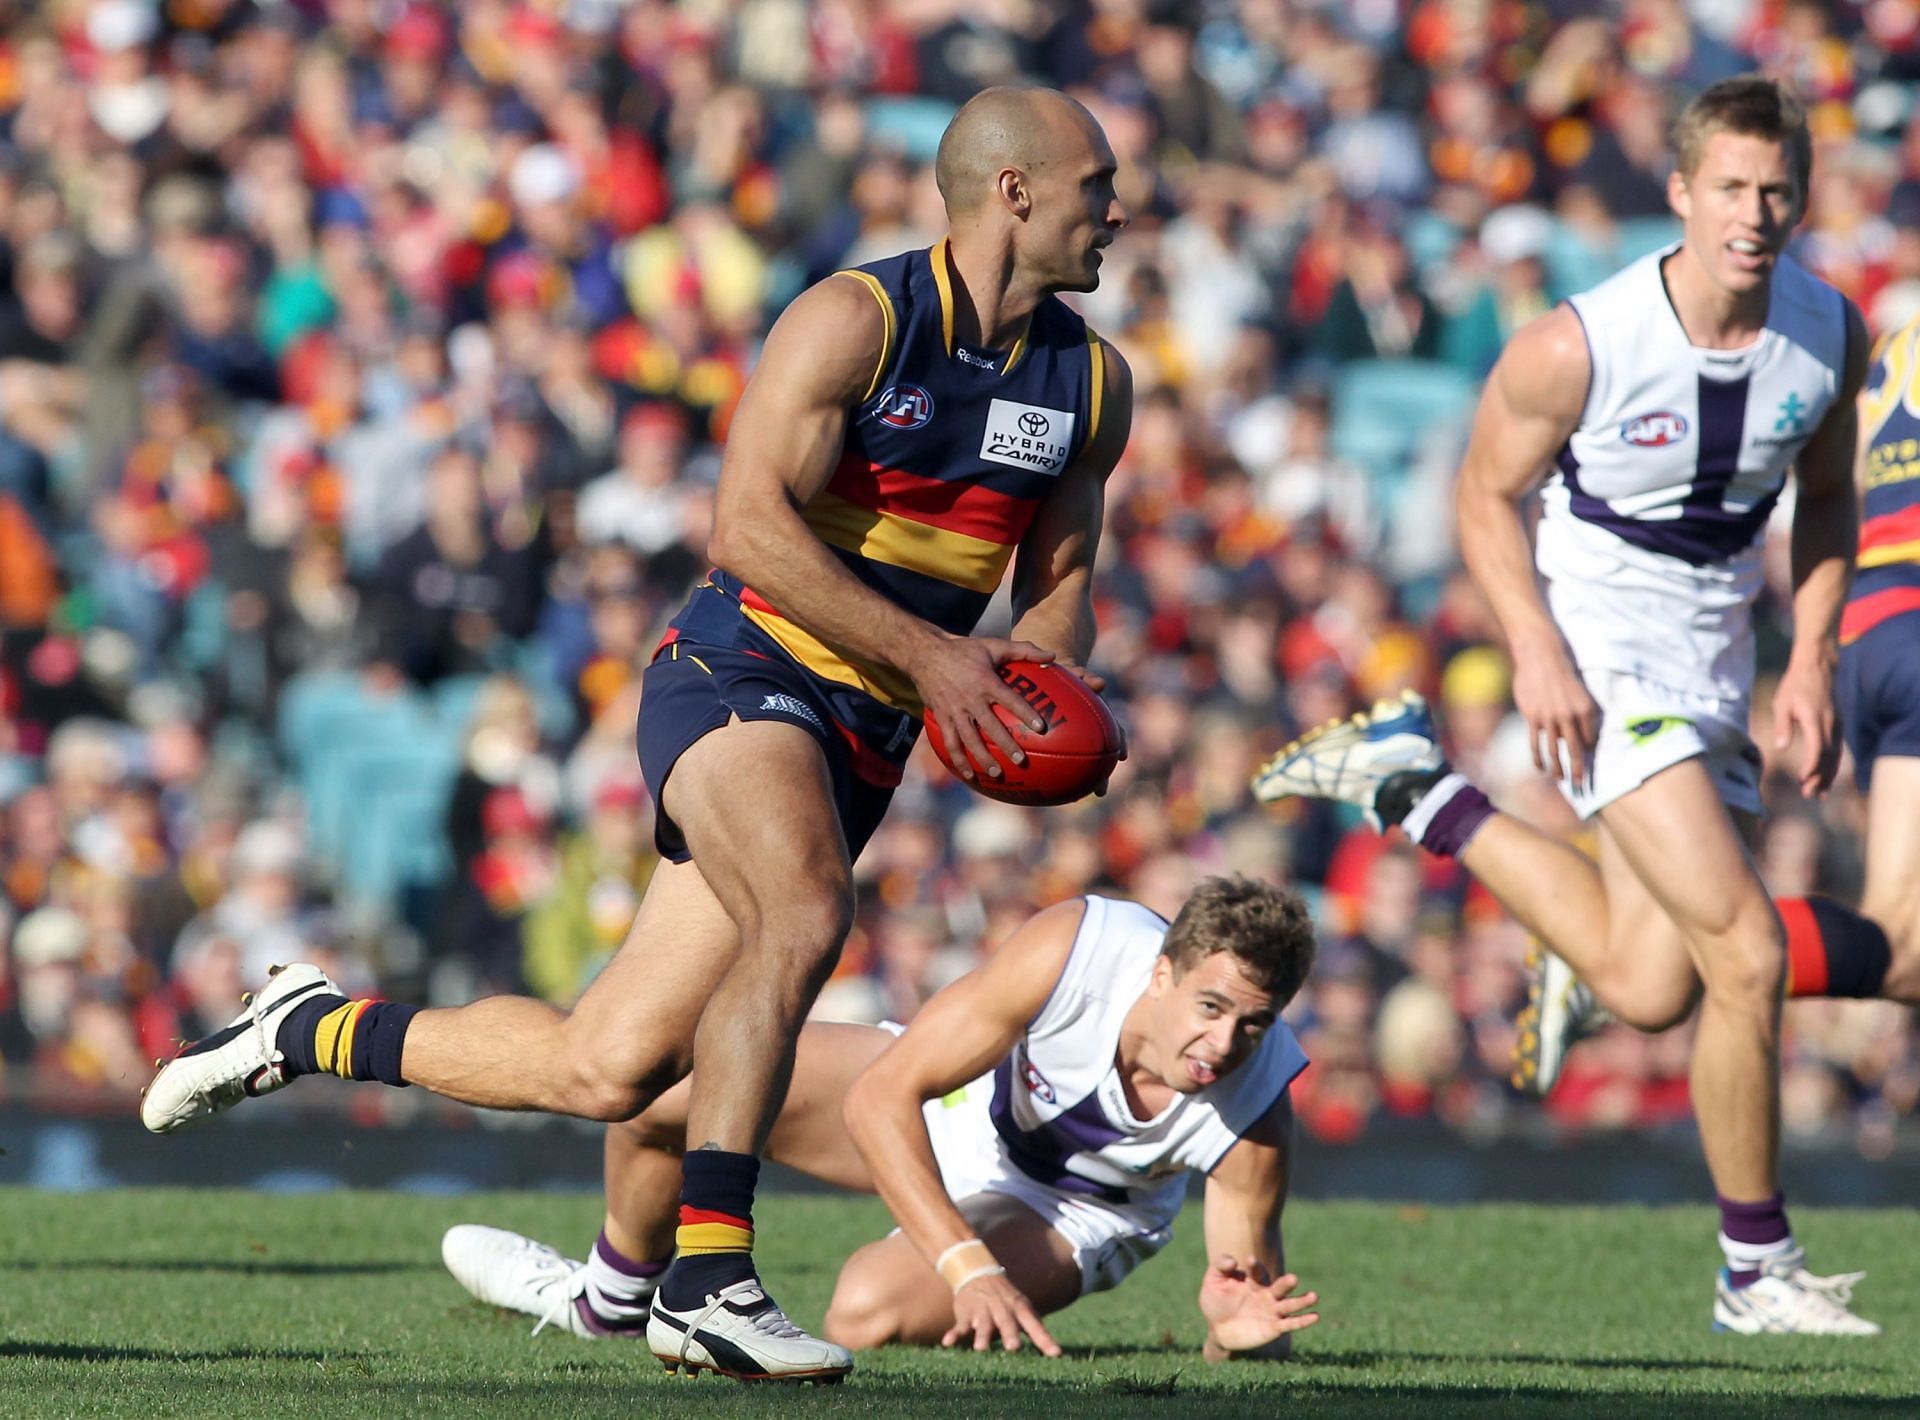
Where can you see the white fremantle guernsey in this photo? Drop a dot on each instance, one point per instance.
(1649, 542)
(1059, 1110)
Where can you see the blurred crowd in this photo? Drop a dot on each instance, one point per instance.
(364, 366)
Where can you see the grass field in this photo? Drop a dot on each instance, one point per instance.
(243, 1305)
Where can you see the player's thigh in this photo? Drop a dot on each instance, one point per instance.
(1657, 982)
(637, 1018)
(810, 1134)
(888, 1292)
(755, 800)
(1680, 842)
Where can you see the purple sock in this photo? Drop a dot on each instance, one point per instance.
(1752, 1232)
(1447, 816)
(618, 1289)
(621, 1263)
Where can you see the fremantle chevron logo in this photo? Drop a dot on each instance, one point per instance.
(1656, 430)
(904, 407)
(790, 705)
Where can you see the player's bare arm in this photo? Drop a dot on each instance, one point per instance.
(960, 1034)
(818, 365)
(1531, 405)
(1825, 530)
(1053, 571)
(1247, 1295)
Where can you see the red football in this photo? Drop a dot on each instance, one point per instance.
(1069, 759)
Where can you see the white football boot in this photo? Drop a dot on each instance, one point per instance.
(516, 1273)
(1789, 1300)
(239, 1062)
(741, 1332)
(1353, 760)
(1560, 1010)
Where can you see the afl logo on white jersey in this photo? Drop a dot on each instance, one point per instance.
(1038, 1083)
(904, 407)
(1656, 430)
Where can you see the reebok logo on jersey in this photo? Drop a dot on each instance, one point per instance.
(799, 709)
(1027, 436)
(979, 362)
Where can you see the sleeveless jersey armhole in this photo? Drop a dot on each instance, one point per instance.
(872, 283)
(1097, 390)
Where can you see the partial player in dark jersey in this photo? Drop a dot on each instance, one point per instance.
(910, 431)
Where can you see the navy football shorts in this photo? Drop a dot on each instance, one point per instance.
(1879, 691)
(692, 689)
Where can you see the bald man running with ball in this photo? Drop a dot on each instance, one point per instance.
(914, 427)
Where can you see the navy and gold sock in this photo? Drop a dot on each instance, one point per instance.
(356, 1040)
(714, 1244)
(1833, 950)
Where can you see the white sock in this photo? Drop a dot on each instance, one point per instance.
(616, 1294)
(1420, 818)
(1752, 1257)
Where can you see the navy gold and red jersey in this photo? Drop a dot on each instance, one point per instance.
(1887, 569)
(944, 463)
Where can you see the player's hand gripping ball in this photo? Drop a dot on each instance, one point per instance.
(1068, 760)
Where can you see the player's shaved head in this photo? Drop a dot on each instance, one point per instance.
(1001, 128)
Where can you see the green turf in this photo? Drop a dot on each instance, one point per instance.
(240, 1305)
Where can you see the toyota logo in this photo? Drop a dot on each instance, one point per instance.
(1033, 425)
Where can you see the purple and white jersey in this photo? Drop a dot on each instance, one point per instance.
(1649, 541)
(1058, 1107)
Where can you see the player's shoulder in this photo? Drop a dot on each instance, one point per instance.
(1547, 363)
(832, 340)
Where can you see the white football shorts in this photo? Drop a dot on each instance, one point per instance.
(1646, 727)
(1109, 1240)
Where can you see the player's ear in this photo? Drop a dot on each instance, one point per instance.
(1015, 192)
(1679, 198)
(1162, 975)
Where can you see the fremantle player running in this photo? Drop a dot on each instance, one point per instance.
(1830, 951)
(1669, 403)
(912, 429)
(1033, 1130)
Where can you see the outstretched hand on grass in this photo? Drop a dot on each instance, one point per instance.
(992, 1306)
(1247, 1310)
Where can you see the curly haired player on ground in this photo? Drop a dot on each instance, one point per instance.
(1671, 400)
(1033, 1130)
(913, 427)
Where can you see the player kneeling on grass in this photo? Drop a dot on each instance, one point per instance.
(1032, 1131)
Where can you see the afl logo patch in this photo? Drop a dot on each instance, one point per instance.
(1038, 1083)
(1655, 430)
(904, 407)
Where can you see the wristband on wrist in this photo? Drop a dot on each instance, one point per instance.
(965, 1261)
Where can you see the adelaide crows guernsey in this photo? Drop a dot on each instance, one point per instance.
(944, 463)
(1059, 1106)
(1887, 580)
(1649, 539)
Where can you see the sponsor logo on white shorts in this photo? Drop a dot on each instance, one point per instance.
(1027, 436)
(799, 709)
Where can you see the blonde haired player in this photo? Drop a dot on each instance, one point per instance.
(1665, 407)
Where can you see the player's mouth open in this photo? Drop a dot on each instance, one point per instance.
(1201, 1072)
(1747, 254)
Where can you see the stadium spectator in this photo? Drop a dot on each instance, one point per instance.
(269, 276)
